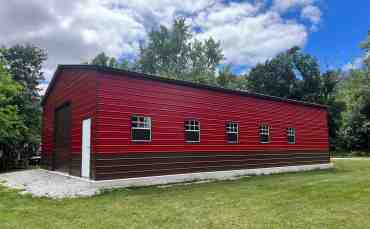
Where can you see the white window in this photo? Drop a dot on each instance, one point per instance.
(232, 132)
(141, 128)
(291, 135)
(192, 131)
(264, 133)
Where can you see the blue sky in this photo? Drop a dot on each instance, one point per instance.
(343, 27)
(250, 31)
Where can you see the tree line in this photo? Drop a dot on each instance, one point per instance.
(175, 53)
(20, 109)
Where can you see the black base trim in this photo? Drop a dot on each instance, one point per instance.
(116, 166)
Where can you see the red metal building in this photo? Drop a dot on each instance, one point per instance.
(106, 123)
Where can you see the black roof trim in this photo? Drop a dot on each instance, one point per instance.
(171, 81)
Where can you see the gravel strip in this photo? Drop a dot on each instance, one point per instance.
(40, 183)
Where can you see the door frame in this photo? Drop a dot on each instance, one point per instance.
(86, 156)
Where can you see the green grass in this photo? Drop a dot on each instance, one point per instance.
(338, 198)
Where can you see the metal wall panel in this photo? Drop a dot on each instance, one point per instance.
(78, 88)
(169, 105)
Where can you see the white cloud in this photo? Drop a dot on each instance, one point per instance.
(307, 8)
(249, 37)
(74, 31)
(225, 14)
(311, 13)
(355, 64)
(285, 5)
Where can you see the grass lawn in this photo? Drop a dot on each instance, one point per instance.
(338, 198)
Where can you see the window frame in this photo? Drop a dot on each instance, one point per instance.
(232, 132)
(291, 133)
(192, 130)
(141, 128)
(263, 132)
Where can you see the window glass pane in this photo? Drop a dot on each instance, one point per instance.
(291, 135)
(264, 133)
(192, 136)
(141, 135)
(264, 138)
(192, 129)
(232, 127)
(192, 125)
(140, 128)
(232, 131)
(232, 137)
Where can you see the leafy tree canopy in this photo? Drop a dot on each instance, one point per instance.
(291, 74)
(25, 64)
(103, 60)
(366, 47)
(354, 93)
(227, 79)
(11, 122)
(174, 53)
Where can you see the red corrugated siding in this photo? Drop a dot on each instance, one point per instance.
(169, 105)
(79, 88)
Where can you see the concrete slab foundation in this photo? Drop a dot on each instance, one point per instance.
(216, 175)
(39, 182)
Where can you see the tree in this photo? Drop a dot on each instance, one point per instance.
(24, 63)
(356, 131)
(293, 75)
(11, 122)
(173, 53)
(327, 95)
(366, 47)
(227, 79)
(308, 76)
(354, 93)
(103, 60)
(275, 77)
(9, 116)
